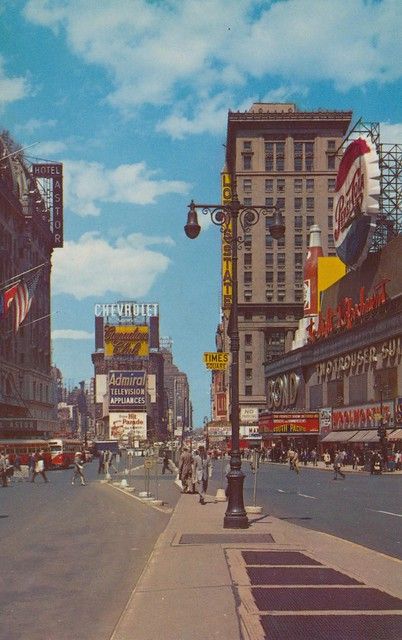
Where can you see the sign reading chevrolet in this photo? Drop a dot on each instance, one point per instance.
(216, 360)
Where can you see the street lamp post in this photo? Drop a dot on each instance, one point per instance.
(228, 217)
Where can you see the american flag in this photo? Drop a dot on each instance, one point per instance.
(23, 298)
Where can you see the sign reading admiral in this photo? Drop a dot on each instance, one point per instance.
(356, 201)
(127, 390)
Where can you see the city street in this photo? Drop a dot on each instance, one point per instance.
(71, 555)
(362, 508)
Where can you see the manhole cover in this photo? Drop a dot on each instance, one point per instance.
(225, 538)
(325, 627)
(290, 575)
(277, 557)
(324, 599)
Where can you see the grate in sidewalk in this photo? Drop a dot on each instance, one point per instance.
(225, 538)
(353, 627)
(273, 558)
(297, 599)
(290, 575)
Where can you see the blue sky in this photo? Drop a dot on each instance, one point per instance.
(132, 96)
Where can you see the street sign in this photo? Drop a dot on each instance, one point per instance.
(216, 360)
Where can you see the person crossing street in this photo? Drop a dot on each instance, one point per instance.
(78, 469)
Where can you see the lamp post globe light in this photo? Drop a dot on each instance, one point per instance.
(228, 217)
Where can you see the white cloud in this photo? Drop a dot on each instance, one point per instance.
(391, 133)
(93, 267)
(89, 184)
(49, 149)
(71, 334)
(180, 51)
(11, 88)
(34, 124)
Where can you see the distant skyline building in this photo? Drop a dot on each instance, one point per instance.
(277, 156)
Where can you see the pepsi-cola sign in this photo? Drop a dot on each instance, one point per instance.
(356, 202)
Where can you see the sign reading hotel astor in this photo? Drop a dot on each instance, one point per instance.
(126, 340)
(356, 201)
(127, 390)
(53, 173)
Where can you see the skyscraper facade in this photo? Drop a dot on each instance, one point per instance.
(278, 156)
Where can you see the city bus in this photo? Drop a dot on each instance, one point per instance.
(58, 453)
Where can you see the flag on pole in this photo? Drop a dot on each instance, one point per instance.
(6, 299)
(23, 298)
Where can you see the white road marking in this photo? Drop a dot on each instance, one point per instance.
(388, 513)
(303, 495)
(281, 491)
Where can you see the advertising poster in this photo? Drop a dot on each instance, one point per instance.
(127, 390)
(126, 340)
(123, 425)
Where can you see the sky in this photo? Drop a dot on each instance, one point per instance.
(132, 96)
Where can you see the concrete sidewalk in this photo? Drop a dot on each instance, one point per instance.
(195, 585)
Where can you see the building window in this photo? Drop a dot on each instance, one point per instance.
(331, 145)
(269, 185)
(316, 399)
(248, 202)
(248, 259)
(358, 389)
(248, 295)
(298, 185)
(269, 259)
(298, 240)
(310, 204)
(280, 184)
(249, 390)
(248, 356)
(330, 222)
(268, 240)
(247, 145)
(280, 243)
(331, 184)
(298, 276)
(330, 204)
(335, 397)
(298, 259)
(330, 240)
(247, 163)
(247, 185)
(309, 220)
(274, 156)
(298, 296)
(281, 203)
(269, 276)
(298, 222)
(248, 277)
(269, 202)
(303, 156)
(310, 185)
(281, 260)
(330, 162)
(247, 241)
(248, 339)
(281, 277)
(298, 204)
(248, 374)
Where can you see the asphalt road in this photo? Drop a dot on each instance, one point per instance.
(70, 556)
(364, 509)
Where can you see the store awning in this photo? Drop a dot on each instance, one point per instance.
(339, 436)
(395, 435)
(365, 435)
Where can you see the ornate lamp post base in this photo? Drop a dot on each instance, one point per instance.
(235, 516)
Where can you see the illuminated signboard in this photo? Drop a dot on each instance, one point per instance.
(126, 310)
(128, 425)
(53, 174)
(126, 340)
(127, 390)
(288, 423)
(356, 201)
(227, 264)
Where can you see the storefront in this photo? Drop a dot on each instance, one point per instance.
(350, 369)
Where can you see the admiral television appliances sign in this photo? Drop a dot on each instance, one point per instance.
(127, 390)
(356, 202)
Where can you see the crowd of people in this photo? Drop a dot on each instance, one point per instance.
(195, 468)
(13, 470)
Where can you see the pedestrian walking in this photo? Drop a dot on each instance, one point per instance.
(101, 467)
(327, 459)
(3, 470)
(202, 466)
(18, 473)
(78, 469)
(39, 467)
(338, 461)
(293, 458)
(165, 462)
(186, 470)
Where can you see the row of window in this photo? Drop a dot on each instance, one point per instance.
(299, 204)
(298, 237)
(280, 294)
(303, 156)
(278, 185)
